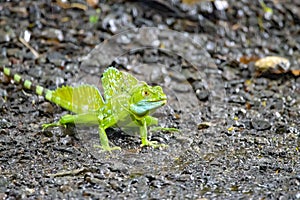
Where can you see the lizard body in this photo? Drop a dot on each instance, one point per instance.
(124, 98)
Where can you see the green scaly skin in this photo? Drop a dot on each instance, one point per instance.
(125, 98)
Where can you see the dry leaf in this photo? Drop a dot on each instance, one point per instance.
(71, 5)
(295, 72)
(274, 63)
(92, 3)
(248, 59)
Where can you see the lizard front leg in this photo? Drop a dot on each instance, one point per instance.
(143, 132)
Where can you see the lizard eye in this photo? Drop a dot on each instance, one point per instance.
(145, 93)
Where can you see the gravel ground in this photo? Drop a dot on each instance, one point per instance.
(239, 121)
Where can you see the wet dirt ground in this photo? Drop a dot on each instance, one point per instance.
(239, 126)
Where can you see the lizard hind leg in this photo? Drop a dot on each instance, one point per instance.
(63, 121)
(145, 141)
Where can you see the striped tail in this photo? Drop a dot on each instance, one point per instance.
(80, 99)
(39, 90)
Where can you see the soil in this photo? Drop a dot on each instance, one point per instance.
(239, 128)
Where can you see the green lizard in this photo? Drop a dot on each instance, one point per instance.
(125, 98)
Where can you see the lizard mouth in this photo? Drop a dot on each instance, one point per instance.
(156, 104)
(143, 107)
(152, 104)
(162, 100)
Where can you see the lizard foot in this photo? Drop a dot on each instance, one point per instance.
(153, 144)
(108, 148)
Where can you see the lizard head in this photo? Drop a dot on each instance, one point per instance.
(145, 99)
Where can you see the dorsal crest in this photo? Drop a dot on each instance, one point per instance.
(80, 99)
(115, 82)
